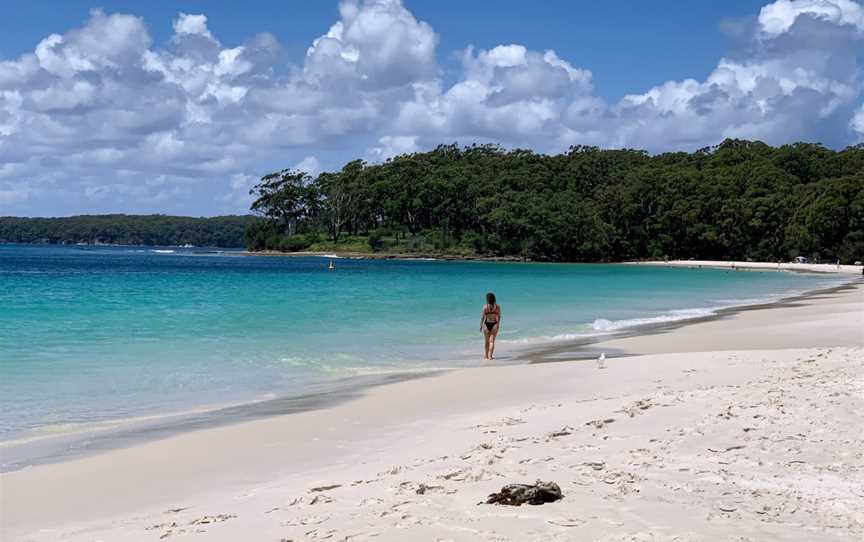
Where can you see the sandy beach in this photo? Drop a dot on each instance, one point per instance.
(394, 270)
(763, 266)
(744, 427)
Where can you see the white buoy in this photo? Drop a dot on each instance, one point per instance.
(601, 361)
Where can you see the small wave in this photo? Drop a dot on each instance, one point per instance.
(723, 303)
(162, 251)
(72, 429)
(295, 361)
(604, 325)
(746, 301)
(563, 337)
(334, 256)
(385, 371)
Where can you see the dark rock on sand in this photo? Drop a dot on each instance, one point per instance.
(519, 494)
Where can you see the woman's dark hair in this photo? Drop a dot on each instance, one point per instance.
(490, 298)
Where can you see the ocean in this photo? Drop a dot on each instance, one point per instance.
(94, 337)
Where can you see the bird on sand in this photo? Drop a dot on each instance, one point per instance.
(601, 361)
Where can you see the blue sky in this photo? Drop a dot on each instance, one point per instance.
(179, 107)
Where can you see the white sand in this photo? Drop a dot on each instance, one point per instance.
(753, 430)
(765, 266)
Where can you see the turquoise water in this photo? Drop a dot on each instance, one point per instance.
(95, 334)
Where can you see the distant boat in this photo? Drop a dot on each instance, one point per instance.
(187, 245)
(331, 267)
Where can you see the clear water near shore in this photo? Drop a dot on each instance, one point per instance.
(89, 336)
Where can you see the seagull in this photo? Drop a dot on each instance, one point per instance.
(601, 361)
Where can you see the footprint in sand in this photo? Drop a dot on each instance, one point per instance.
(205, 520)
(563, 432)
(600, 424)
(637, 407)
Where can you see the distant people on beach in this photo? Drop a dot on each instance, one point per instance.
(490, 322)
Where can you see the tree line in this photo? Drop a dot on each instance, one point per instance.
(217, 231)
(737, 200)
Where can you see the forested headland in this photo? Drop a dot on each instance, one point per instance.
(217, 231)
(737, 200)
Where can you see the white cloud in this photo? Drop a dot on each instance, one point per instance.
(857, 123)
(13, 191)
(98, 119)
(378, 44)
(390, 146)
(192, 24)
(106, 42)
(13, 195)
(778, 17)
(796, 81)
(309, 165)
(783, 90)
(508, 93)
(237, 192)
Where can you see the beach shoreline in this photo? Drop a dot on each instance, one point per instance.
(426, 256)
(821, 268)
(115, 434)
(434, 256)
(589, 347)
(124, 493)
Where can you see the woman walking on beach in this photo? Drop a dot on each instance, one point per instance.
(490, 322)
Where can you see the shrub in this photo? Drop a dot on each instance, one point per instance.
(475, 242)
(313, 238)
(294, 243)
(416, 242)
(257, 235)
(273, 242)
(376, 240)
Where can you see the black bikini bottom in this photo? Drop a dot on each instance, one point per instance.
(490, 325)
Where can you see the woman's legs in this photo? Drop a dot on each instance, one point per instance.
(486, 336)
(491, 340)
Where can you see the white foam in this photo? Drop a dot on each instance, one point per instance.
(603, 325)
(163, 251)
(384, 371)
(68, 429)
(546, 339)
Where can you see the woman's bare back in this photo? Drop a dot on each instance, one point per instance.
(491, 313)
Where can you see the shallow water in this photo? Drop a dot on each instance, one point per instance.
(91, 335)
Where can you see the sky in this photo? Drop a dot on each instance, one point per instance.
(180, 107)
